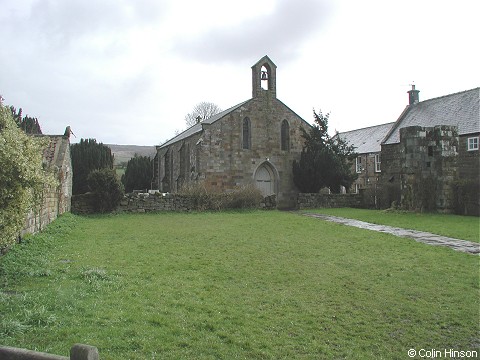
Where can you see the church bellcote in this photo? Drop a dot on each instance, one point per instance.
(264, 78)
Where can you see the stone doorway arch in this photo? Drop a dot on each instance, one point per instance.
(266, 179)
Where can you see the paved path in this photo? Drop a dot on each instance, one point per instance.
(420, 236)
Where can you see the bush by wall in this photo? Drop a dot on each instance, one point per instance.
(23, 178)
(107, 188)
(247, 196)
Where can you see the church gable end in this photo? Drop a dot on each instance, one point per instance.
(240, 146)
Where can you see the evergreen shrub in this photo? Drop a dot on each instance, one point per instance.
(107, 188)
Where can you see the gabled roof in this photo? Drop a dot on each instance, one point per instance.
(263, 60)
(459, 109)
(367, 140)
(56, 150)
(199, 127)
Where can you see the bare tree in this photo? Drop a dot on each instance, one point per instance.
(201, 112)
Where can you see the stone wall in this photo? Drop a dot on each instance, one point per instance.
(55, 201)
(422, 167)
(83, 204)
(312, 201)
(146, 202)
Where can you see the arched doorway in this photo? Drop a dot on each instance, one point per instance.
(265, 179)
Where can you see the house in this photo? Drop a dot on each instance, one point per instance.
(55, 201)
(433, 144)
(253, 142)
(367, 142)
(421, 157)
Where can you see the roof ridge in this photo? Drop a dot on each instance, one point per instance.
(199, 126)
(367, 127)
(444, 96)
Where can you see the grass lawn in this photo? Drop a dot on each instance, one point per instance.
(455, 226)
(234, 285)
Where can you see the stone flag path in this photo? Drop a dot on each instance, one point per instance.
(420, 236)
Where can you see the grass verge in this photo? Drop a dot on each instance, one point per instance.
(455, 226)
(256, 285)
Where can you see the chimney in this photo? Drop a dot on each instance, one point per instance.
(413, 96)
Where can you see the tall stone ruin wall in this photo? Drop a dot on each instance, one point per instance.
(425, 155)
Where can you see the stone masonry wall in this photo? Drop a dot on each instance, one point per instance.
(55, 201)
(144, 202)
(422, 166)
(312, 201)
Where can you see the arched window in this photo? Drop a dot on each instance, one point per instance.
(246, 134)
(167, 170)
(285, 136)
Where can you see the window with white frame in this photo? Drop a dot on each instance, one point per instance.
(358, 164)
(472, 143)
(377, 163)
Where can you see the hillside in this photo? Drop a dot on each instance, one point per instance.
(123, 153)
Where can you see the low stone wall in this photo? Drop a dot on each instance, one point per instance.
(83, 204)
(156, 202)
(77, 352)
(145, 202)
(311, 201)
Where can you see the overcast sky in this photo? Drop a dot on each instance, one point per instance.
(128, 71)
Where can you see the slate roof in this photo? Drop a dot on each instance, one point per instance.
(367, 140)
(460, 109)
(198, 127)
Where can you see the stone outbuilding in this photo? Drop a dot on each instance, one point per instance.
(253, 142)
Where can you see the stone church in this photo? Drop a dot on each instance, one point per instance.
(253, 142)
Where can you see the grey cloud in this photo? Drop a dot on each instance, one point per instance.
(279, 34)
(61, 22)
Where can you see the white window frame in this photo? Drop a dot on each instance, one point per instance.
(472, 143)
(358, 164)
(378, 161)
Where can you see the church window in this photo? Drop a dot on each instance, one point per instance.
(246, 134)
(182, 161)
(167, 163)
(285, 136)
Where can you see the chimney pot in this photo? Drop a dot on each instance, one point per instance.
(413, 97)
